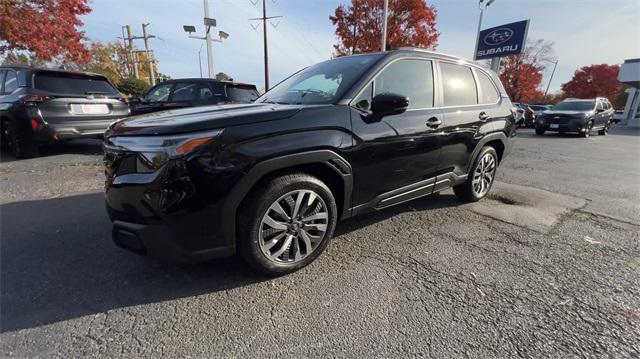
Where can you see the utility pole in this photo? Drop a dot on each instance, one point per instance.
(208, 41)
(134, 59)
(200, 60)
(385, 12)
(146, 37)
(264, 19)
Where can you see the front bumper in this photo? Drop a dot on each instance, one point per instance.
(572, 125)
(173, 214)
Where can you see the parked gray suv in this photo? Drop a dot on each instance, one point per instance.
(577, 115)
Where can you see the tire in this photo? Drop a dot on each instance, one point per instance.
(15, 143)
(468, 191)
(605, 130)
(587, 132)
(277, 243)
(540, 132)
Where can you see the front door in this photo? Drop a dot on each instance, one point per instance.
(396, 158)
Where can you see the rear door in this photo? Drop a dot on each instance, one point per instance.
(471, 103)
(77, 97)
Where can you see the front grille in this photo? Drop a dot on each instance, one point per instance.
(558, 119)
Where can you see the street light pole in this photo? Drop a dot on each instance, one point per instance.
(385, 12)
(208, 41)
(200, 60)
(555, 63)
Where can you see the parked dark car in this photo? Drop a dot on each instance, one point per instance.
(40, 106)
(271, 179)
(181, 93)
(577, 115)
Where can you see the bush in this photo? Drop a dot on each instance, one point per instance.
(132, 87)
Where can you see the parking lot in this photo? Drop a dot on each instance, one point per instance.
(548, 267)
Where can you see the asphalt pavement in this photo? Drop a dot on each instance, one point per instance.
(430, 278)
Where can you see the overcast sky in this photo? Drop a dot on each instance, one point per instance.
(584, 31)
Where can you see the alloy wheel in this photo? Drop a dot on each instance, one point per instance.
(484, 174)
(293, 226)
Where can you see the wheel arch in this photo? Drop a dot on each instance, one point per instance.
(327, 165)
(497, 140)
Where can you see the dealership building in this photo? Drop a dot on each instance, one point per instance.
(630, 75)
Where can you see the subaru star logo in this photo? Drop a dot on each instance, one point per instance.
(498, 36)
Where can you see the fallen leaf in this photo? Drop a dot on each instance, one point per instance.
(591, 240)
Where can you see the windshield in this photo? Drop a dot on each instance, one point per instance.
(574, 106)
(323, 83)
(73, 84)
(538, 108)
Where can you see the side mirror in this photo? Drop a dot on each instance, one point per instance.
(387, 104)
(518, 113)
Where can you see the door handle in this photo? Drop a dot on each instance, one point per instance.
(483, 116)
(434, 122)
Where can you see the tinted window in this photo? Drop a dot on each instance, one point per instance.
(205, 93)
(488, 90)
(159, 93)
(242, 93)
(600, 106)
(363, 101)
(185, 92)
(410, 78)
(574, 106)
(1, 80)
(73, 84)
(322, 83)
(10, 82)
(459, 88)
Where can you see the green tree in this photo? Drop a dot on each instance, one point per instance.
(132, 87)
(221, 76)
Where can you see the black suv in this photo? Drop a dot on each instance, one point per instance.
(180, 93)
(338, 139)
(39, 106)
(577, 115)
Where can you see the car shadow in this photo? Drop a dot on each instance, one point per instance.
(58, 262)
(75, 147)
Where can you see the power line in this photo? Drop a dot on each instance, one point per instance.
(264, 19)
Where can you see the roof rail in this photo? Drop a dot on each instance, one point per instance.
(433, 53)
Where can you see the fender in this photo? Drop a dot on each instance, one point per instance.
(488, 138)
(327, 157)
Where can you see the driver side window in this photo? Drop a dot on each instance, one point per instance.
(412, 78)
(159, 94)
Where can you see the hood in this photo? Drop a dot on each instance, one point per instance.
(565, 113)
(195, 119)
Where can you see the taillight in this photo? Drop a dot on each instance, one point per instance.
(36, 97)
(35, 124)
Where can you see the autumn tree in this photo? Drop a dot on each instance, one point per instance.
(521, 74)
(593, 81)
(359, 26)
(221, 76)
(46, 29)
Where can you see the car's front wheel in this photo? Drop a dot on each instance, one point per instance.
(480, 179)
(587, 130)
(286, 223)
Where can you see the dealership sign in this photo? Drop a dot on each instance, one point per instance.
(503, 40)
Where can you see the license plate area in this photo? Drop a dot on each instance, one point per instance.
(554, 125)
(89, 109)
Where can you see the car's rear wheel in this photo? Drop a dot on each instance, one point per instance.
(481, 177)
(286, 223)
(540, 131)
(605, 130)
(15, 143)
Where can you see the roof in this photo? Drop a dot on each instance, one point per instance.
(206, 79)
(23, 67)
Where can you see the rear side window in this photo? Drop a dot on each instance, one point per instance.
(410, 78)
(459, 87)
(10, 82)
(73, 84)
(489, 94)
(242, 93)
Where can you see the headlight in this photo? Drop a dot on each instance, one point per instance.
(154, 151)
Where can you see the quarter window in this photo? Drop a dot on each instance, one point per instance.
(10, 82)
(487, 89)
(459, 87)
(411, 78)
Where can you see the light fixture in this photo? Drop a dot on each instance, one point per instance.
(189, 28)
